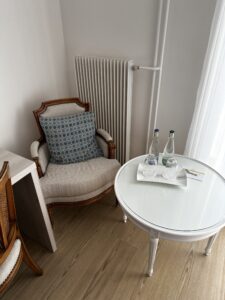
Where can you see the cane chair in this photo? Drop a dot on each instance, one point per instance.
(12, 248)
(78, 183)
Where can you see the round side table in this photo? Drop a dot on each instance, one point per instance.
(190, 213)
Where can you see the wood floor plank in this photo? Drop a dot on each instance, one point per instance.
(100, 257)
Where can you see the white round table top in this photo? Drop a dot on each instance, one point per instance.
(198, 206)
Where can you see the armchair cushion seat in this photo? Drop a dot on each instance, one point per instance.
(78, 181)
(7, 266)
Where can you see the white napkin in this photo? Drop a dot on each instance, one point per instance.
(195, 175)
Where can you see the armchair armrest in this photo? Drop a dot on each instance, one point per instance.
(106, 143)
(40, 155)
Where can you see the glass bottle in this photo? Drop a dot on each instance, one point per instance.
(169, 149)
(153, 154)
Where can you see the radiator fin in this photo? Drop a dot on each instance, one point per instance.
(107, 85)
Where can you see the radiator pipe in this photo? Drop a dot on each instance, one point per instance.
(136, 68)
(158, 61)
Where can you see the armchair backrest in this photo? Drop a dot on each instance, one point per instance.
(7, 207)
(59, 107)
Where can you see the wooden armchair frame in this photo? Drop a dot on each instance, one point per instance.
(9, 231)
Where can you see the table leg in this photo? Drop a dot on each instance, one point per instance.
(153, 245)
(124, 218)
(210, 243)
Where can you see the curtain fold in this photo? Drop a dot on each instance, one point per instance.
(206, 138)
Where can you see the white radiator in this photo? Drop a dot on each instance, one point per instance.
(107, 85)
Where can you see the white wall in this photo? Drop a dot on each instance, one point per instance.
(115, 29)
(32, 67)
(126, 28)
(187, 38)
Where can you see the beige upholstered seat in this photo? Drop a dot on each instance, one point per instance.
(8, 265)
(78, 183)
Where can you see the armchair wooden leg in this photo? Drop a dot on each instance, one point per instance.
(29, 260)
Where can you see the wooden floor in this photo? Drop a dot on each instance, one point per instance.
(99, 257)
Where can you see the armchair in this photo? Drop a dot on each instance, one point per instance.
(79, 183)
(12, 248)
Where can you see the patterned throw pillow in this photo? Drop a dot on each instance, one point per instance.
(71, 138)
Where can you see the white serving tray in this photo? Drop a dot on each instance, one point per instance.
(161, 174)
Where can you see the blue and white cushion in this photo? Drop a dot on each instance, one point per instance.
(71, 138)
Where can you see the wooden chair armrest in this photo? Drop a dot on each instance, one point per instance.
(108, 140)
(40, 155)
(104, 134)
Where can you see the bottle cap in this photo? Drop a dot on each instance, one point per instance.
(172, 131)
(156, 130)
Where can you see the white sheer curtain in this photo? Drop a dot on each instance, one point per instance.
(206, 139)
